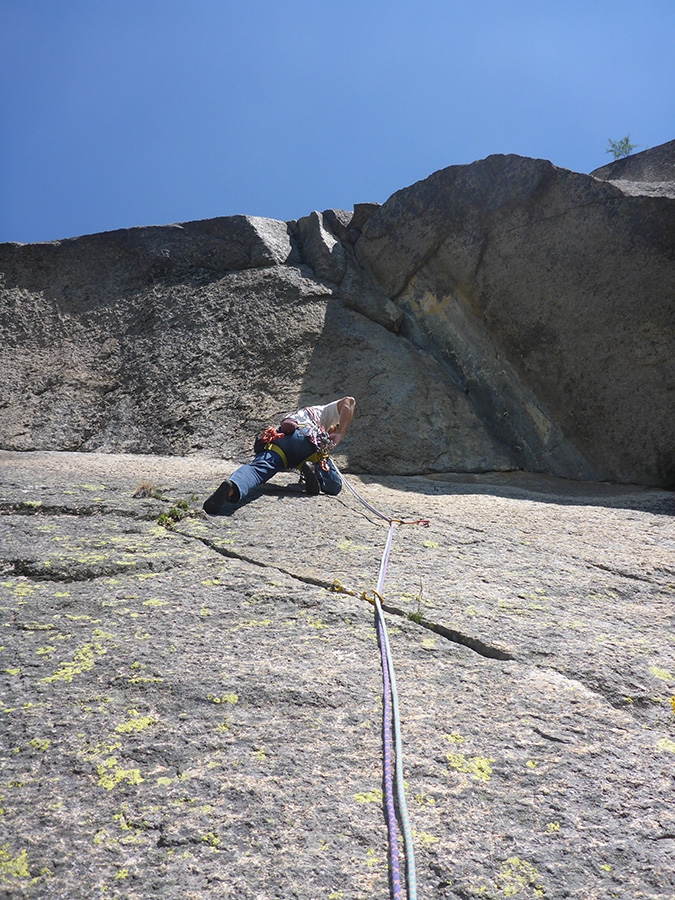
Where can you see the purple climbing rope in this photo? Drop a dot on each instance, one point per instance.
(388, 777)
(391, 723)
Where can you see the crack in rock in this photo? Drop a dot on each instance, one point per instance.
(622, 573)
(549, 737)
(26, 568)
(450, 634)
(26, 509)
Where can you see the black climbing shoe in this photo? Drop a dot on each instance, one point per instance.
(309, 477)
(228, 491)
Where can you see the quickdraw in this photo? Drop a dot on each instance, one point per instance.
(270, 434)
(316, 434)
(318, 438)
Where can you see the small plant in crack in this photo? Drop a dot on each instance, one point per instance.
(146, 489)
(418, 615)
(179, 511)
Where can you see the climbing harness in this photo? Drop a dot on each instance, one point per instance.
(317, 436)
(279, 451)
(391, 717)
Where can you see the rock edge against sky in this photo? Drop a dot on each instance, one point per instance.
(502, 315)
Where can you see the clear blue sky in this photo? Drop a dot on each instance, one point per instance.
(117, 113)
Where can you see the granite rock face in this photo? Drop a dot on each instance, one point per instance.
(502, 315)
(523, 280)
(192, 712)
(233, 331)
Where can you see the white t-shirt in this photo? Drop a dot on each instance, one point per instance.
(326, 416)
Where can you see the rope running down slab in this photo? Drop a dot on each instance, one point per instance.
(391, 715)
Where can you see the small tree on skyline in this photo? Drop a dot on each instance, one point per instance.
(621, 148)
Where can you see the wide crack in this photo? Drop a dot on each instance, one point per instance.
(21, 508)
(27, 568)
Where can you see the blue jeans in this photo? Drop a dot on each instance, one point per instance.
(265, 465)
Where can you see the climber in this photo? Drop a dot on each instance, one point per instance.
(303, 441)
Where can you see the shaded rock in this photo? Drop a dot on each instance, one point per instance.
(321, 250)
(404, 422)
(358, 292)
(337, 221)
(649, 173)
(347, 226)
(197, 366)
(178, 365)
(522, 278)
(362, 213)
(87, 269)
